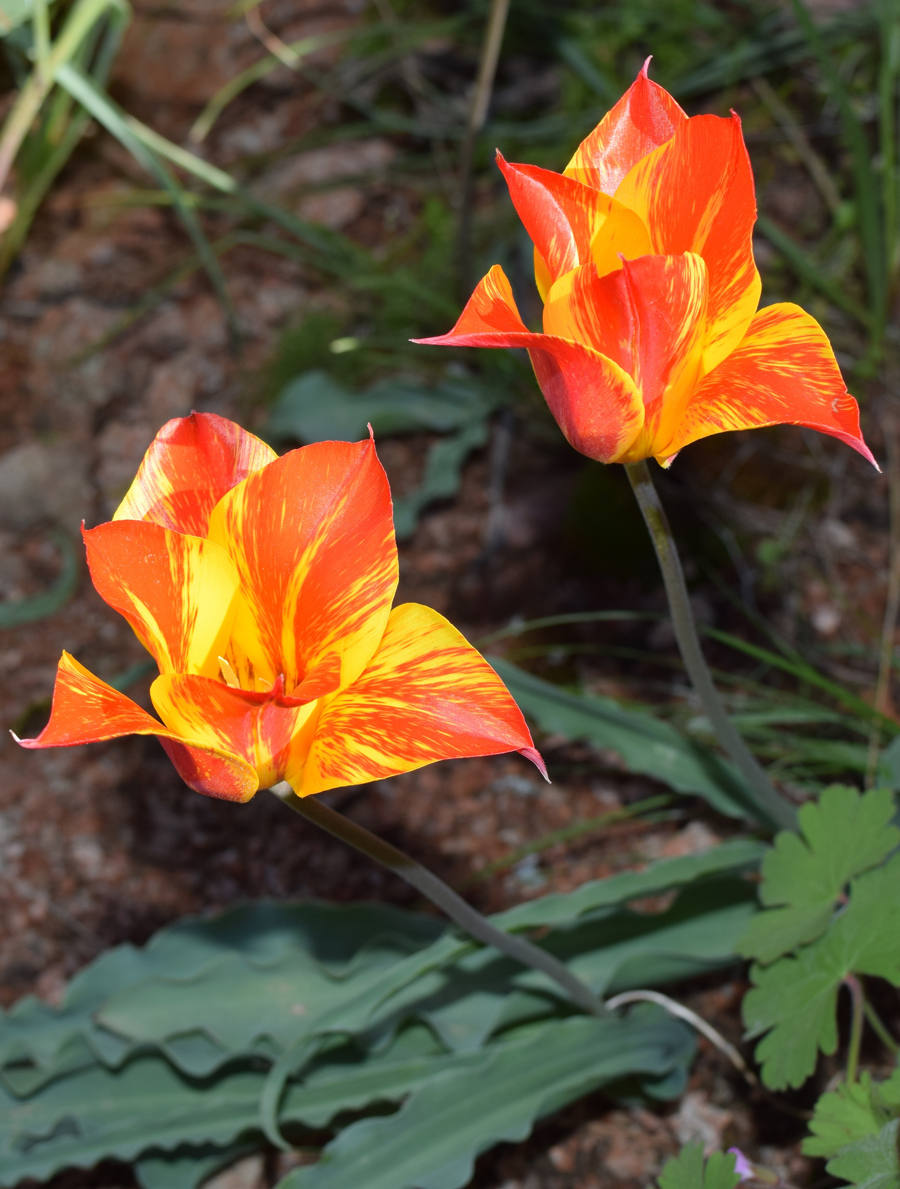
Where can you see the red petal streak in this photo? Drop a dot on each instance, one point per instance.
(783, 373)
(644, 118)
(87, 710)
(426, 695)
(189, 466)
(595, 402)
(312, 536)
(648, 319)
(176, 591)
(563, 216)
(258, 727)
(695, 194)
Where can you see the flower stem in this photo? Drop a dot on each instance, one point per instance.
(770, 803)
(439, 893)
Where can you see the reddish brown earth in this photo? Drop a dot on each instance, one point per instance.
(103, 844)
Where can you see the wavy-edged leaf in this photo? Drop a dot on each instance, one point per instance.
(646, 744)
(432, 1141)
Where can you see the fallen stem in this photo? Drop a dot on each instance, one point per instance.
(424, 881)
(674, 1008)
(766, 799)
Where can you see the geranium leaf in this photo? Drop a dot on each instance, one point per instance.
(845, 1116)
(688, 1170)
(870, 1163)
(794, 999)
(841, 835)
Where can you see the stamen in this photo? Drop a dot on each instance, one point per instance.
(228, 674)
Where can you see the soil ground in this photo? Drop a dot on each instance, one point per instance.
(103, 844)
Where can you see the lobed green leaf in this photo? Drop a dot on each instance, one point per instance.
(689, 1170)
(841, 835)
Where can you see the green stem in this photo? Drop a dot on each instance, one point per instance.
(768, 802)
(461, 913)
(852, 983)
(880, 1028)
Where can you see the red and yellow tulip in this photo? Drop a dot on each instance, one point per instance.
(262, 587)
(644, 261)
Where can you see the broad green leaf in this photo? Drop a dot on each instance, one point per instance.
(343, 943)
(187, 1166)
(845, 1115)
(442, 476)
(612, 951)
(316, 408)
(646, 744)
(432, 1141)
(841, 835)
(870, 1163)
(689, 1170)
(794, 999)
(661, 876)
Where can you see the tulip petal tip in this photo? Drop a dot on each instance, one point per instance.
(532, 753)
(645, 69)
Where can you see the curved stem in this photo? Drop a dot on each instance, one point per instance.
(858, 999)
(439, 893)
(769, 803)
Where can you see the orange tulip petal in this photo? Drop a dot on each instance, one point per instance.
(783, 373)
(695, 193)
(644, 118)
(87, 710)
(648, 319)
(564, 217)
(593, 399)
(261, 728)
(189, 466)
(177, 592)
(312, 536)
(426, 695)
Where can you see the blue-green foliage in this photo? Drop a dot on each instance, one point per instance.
(283, 1018)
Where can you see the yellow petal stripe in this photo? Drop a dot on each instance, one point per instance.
(426, 695)
(312, 536)
(177, 592)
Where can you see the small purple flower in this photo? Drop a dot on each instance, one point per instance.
(742, 1165)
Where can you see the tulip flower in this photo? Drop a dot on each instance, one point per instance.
(262, 587)
(644, 262)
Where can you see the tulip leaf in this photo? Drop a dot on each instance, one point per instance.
(871, 1163)
(314, 407)
(689, 1170)
(432, 1141)
(794, 1000)
(370, 958)
(48, 602)
(842, 835)
(646, 744)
